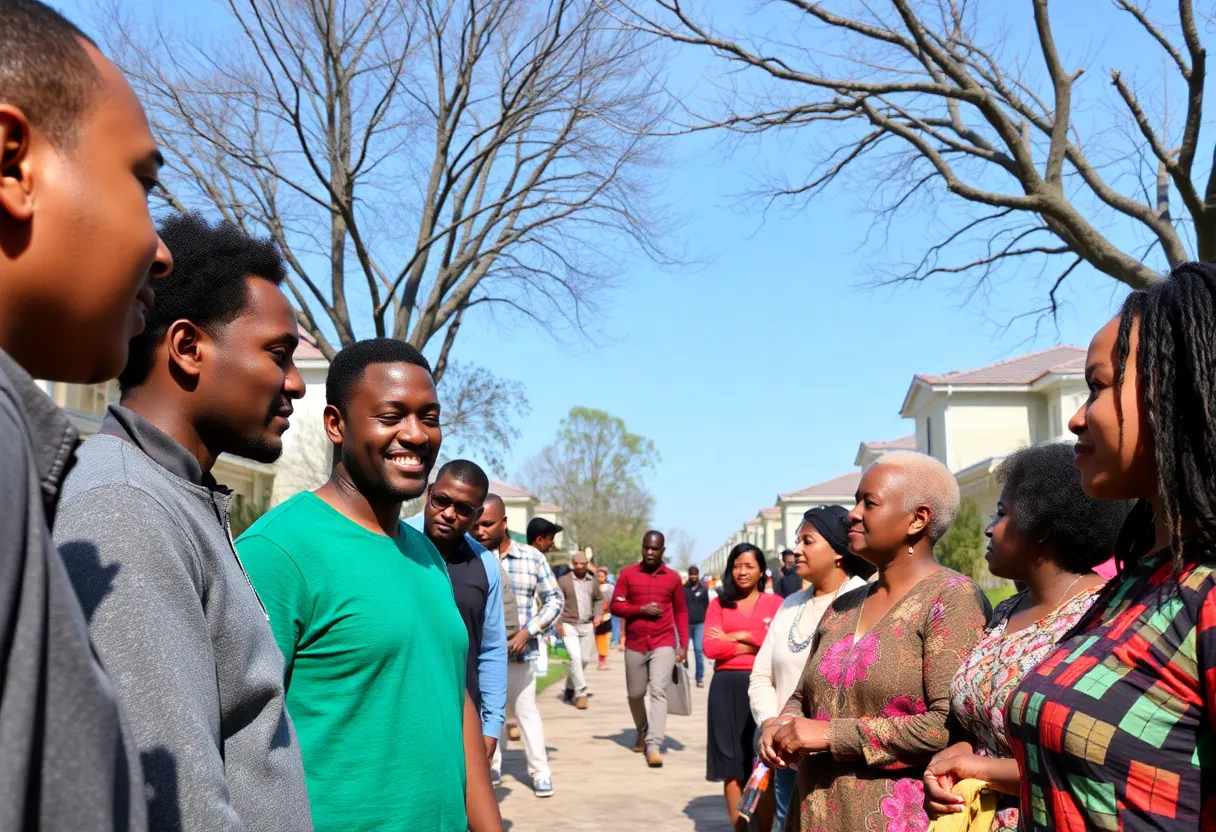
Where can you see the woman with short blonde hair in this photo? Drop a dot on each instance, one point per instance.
(871, 708)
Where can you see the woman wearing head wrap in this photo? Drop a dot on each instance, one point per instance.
(871, 708)
(822, 557)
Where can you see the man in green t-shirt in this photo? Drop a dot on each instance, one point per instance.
(362, 608)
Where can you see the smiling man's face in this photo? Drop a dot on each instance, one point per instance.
(390, 431)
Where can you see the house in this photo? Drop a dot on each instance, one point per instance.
(972, 419)
(969, 419)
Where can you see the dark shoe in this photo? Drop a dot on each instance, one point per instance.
(639, 745)
(581, 703)
(653, 758)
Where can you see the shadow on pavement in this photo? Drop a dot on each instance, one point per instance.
(624, 739)
(708, 813)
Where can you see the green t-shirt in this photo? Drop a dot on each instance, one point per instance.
(375, 665)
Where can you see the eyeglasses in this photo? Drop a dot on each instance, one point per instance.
(439, 502)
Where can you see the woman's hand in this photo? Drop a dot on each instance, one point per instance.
(764, 748)
(799, 737)
(945, 770)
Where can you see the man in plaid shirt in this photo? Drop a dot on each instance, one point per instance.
(532, 581)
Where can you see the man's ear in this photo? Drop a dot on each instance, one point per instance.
(186, 345)
(335, 429)
(16, 168)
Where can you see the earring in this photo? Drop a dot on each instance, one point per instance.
(911, 551)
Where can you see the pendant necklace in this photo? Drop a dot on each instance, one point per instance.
(798, 646)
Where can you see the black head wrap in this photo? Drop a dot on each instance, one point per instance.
(832, 524)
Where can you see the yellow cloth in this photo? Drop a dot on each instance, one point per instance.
(979, 809)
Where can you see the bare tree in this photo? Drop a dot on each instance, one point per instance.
(414, 159)
(924, 97)
(683, 547)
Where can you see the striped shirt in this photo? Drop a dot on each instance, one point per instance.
(532, 581)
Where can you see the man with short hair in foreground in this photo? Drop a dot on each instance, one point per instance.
(144, 531)
(362, 609)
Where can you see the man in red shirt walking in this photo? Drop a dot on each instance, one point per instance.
(650, 599)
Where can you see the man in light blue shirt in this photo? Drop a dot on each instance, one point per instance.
(453, 504)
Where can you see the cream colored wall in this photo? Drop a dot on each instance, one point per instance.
(518, 515)
(774, 538)
(1062, 404)
(985, 425)
(307, 453)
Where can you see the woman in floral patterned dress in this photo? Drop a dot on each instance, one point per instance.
(1049, 536)
(872, 705)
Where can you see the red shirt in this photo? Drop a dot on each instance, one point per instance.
(726, 653)
(634, 589)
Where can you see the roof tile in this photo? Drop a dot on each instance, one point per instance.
(1025, 369)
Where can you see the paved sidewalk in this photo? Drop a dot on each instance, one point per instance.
(599, 782)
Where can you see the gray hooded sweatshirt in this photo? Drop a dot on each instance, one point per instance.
(144, 533)
(65, 763)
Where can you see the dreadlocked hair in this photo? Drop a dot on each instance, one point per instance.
(1176, 365)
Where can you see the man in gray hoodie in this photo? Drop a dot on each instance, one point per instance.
(78, 252)
(144, 530)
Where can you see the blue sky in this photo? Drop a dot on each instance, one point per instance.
(760, 370)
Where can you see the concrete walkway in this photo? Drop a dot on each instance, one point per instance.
(599, 782)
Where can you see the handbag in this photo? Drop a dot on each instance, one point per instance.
(679, 688)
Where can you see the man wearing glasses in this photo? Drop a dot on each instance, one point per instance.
(453, 505)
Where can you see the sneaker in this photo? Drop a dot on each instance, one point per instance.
(654, 759)
(700, 684)
(495, 777)
(581, 703)
(543, 787)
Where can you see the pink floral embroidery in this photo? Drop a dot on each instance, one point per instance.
(842, 665)
(904, 809)
(904, 706)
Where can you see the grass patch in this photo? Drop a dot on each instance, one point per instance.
(559, 660)
(557, 671)
(996, 596)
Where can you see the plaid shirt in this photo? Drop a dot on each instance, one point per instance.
(531, 576)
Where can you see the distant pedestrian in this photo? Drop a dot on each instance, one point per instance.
(583, 611)
(603, 631)
(696, 597)
(736, 623)
(787, 582)
(542, 534)
(650, 597)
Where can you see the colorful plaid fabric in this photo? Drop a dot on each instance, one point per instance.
(1113, 731)
(535, 589)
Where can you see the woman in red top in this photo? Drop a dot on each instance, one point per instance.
(735, 626)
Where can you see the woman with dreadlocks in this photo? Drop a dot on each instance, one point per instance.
(1114, 729)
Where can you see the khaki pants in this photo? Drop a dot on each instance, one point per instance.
(580, 644)
(521, 695)
(649, 673)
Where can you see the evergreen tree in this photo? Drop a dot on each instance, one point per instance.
(962, 548)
